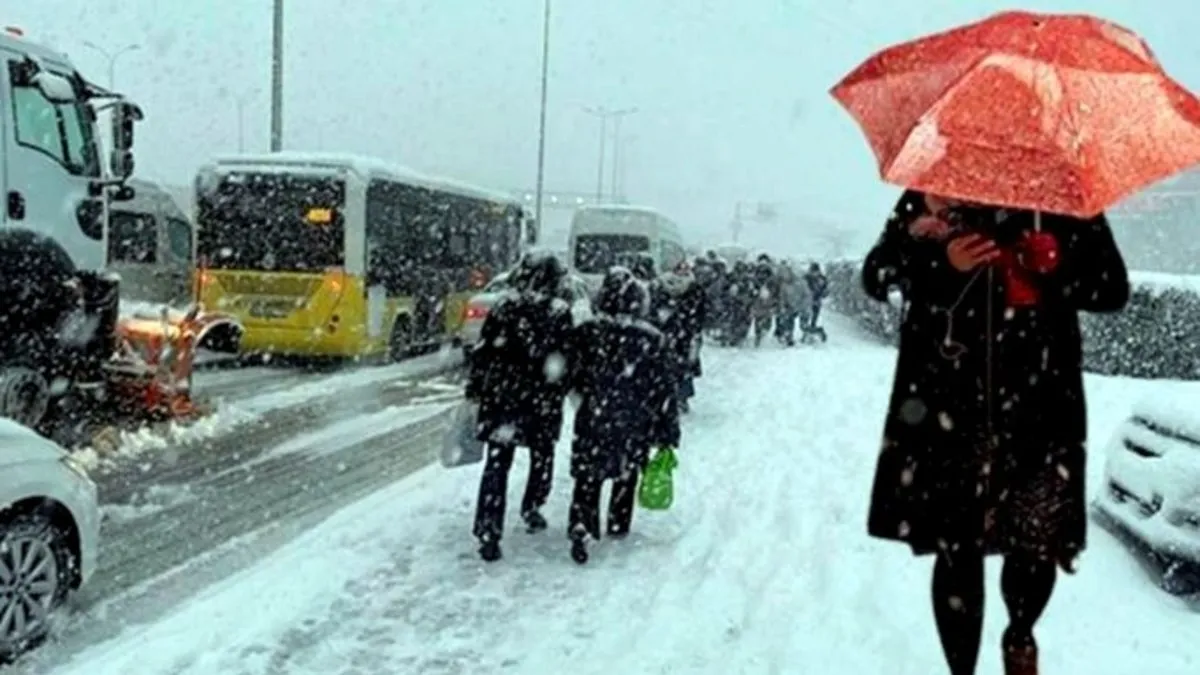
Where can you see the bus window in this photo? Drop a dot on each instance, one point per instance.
(179, 238)
(596, 253)
(264, 222)
(132, 237)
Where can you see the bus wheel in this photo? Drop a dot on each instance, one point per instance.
(400, 345)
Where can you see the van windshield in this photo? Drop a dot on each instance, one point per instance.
(596, 253)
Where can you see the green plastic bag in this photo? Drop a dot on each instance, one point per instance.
(657, 490)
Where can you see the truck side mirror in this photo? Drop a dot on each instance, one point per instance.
(124, 115)
(120, 162)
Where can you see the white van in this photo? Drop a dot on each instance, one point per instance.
(601, 235)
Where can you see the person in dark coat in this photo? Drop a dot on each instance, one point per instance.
(983, 449)
(740, 293)
(626, 407)
(766, 297)
(818, 288)
(519, 379)
(677, 304)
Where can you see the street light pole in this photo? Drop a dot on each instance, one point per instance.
(277, 77)
(541, 158)
(605, 114)
(112, 59)
(617, 116)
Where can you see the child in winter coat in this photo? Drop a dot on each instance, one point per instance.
(627, 405)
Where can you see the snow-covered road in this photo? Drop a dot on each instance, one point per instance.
(761, 567)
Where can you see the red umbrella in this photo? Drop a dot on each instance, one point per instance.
(1059, 113)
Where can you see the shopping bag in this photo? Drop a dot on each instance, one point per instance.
(459, 445)
(657, 490)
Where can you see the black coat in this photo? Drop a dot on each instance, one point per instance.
(627, 401)
(988, 451)
(519, 370)
(678, 307)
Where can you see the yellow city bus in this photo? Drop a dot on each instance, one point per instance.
(325, 255)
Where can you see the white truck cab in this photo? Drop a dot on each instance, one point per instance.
(51, 177)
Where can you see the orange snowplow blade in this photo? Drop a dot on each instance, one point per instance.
(151, 372)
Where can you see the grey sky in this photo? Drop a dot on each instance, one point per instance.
(732, 93)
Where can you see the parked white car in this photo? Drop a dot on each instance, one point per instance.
(576, 292)
(1152, 477)
(49, 534)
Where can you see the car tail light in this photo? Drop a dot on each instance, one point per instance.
(476, 312)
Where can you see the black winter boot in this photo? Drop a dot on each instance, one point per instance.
(534, 522)
(490, 551)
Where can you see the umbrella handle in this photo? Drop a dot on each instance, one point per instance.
(1037, 221)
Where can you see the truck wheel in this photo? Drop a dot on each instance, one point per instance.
(24, 395)
(400, 345)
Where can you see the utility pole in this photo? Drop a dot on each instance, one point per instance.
(541, 158)
(277, 78)
(605, 114)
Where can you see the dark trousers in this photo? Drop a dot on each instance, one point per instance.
(493, 487)
(785, 326)
(585, 506)
(1026, 584)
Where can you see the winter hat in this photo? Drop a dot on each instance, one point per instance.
(541, 274)
(621, 294)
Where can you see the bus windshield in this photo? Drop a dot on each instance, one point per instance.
(269, 222)
(596, 253)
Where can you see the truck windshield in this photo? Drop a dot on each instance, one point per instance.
(596, 253)
(269, 222)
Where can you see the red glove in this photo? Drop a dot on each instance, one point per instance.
(1038, 252)
(1019, 285)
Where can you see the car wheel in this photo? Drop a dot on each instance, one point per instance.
(400, 344)
(24, 395)
(36, 564)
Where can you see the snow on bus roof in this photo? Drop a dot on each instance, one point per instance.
(368, 166)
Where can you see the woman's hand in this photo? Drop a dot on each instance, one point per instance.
(970, 251)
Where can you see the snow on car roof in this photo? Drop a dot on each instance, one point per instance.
(631, 208)
(367, 166)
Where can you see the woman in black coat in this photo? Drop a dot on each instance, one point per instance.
(983, 449)
(519, 379)
(626, 406)
(678, 304)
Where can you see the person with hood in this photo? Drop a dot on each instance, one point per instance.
(677, 304)
(626, 407)
(766, 297)
(643, 267)
(984, 439)
(818, 289)
(794, 303)
(518, 376)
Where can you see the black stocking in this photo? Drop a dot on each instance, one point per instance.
(958, 608)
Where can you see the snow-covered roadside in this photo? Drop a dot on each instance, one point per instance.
(229, 415)
(762, 566)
